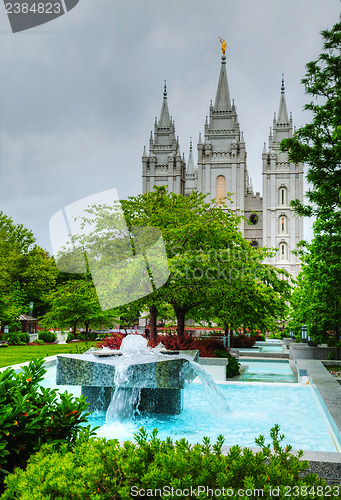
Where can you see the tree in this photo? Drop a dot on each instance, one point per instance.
(317, 299)
(26, 271)
(319, 143)
(203, 246)
(75, 304)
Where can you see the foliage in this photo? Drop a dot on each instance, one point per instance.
(38, 341)
(243, 341)
(47, 336)
(31, 415)
(26, 272)
(317, 300)
(207, 255)
(75, 304)
(208, 348)
(259, 337)
(114, 341)
(233, 367)
(105, 469)
(16, 338)
(319, 143)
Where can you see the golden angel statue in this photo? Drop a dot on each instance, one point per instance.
(223, 45)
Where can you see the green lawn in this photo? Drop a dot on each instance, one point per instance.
(14, 355)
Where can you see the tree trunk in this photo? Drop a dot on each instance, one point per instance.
(180, 317)
(153, 318)
(231, 337)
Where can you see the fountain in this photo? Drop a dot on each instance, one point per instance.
(135, 378)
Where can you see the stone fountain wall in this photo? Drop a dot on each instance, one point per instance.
(160, 378)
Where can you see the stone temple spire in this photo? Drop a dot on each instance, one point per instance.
(190, 164)
(282, 112)
(222, 100)
(165, 120)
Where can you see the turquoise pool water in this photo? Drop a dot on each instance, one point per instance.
(254, 409)
(262, 370)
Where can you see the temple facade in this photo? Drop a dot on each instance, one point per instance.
(222, 168)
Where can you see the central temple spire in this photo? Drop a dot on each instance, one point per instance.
(222, 100)
(282, 112)
(165, 120)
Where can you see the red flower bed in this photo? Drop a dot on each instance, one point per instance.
(243, 341)
(208, 348)
(113, 342)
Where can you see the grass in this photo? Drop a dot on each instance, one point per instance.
(16, 354)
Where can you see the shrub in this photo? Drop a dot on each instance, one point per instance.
(233, 367)
(86, 336)
(38, 341)
(208, 348)
(259, 337)
(31, 415)
(107, 470)
(17, 338)
(47, 336)
(243, 341)
(113, 342)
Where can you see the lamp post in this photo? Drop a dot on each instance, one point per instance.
(291, 334)
(304, 333)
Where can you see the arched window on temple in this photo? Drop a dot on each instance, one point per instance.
(220, 189)
(283, 251)
(282, 196)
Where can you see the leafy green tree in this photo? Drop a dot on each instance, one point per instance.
(26, 272)
(319, 145)
(203, 246)
(75, 304)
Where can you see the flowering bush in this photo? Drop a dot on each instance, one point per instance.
(243, 341)
(208, 348)
(113, 342)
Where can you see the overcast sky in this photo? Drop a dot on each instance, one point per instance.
(79, 95)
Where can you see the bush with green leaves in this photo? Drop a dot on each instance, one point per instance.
(17, 338)
(107, 470)
(233, 367)
(31, 415)
(47, 336)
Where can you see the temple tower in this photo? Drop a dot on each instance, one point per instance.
(222, 155)
(163, 166)
(282, 183)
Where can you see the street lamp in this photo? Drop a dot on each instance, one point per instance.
(304, 333)
(6, 329)
(291, 334)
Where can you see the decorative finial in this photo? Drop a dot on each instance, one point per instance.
(190, 144)
(282, 88)
(223, 44)
(165, 90)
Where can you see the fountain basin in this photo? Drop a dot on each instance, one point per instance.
(159, 377)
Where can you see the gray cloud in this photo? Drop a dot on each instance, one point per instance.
(79, 95)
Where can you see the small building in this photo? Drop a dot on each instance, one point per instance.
(28, 323)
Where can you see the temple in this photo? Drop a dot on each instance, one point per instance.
(222, 167)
